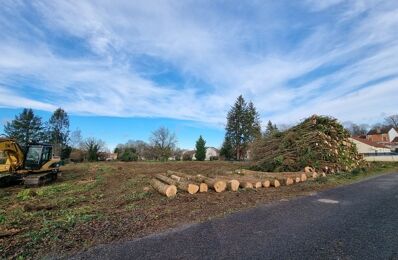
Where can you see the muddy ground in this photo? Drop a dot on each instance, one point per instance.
(94, 203)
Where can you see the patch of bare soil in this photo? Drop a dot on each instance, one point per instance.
(99, 203)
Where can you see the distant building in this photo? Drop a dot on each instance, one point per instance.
(212, 153)
(367, 147)
(111, 156)
(382, 134)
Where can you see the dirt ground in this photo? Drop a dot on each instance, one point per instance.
(94, 203)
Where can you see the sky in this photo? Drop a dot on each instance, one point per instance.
(123, 68)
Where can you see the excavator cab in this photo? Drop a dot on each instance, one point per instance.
(37, 155)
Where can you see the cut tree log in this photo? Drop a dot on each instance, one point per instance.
(257, 184)
(233, 185)
(246, 185)
(266, 184)
(309, 169)
(175, 177)
(275, 183)
(203, 187)
(285, 181)
(303, 177)
(217, 185)
(191, 188)
(165, 189)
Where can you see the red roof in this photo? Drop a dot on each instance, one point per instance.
(365, 141)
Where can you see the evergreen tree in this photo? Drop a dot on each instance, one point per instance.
(271, 129)
(227, 150)
(200, 149)
(243, 126)
(253, 125)
(26, 128)
(58, 130)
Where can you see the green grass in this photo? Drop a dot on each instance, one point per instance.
(358, 174)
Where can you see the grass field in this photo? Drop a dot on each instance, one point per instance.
(93, 203)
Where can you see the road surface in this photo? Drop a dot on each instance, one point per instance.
(358, 221)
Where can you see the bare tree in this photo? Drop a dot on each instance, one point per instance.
(76, 139)
(392, 120)
(355, 129)
(163, 143)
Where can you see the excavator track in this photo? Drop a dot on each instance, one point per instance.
(39, 179)
(7, 179)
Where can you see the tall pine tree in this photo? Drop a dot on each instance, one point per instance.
(271, 129)
(200, 149)
(227, 151)
(26, 128)
(58, 128)
(243, 126)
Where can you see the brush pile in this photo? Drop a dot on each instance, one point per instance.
(319, 141)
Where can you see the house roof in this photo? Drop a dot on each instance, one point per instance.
(380, 130)
(210, 147)
(365, 141)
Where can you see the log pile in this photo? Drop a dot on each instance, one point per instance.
(168, 183)
(319, 141)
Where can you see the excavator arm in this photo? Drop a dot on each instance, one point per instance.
(11, 155)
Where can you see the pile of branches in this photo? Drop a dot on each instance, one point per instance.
(319, 141)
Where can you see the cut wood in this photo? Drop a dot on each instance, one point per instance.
(203, 187)
(217, 185)
(246, 185)
(233, 185)
(179, 174)
(191, 188)
(257, 184)
(165, 189)
(285, 180)
(175, 177)
(266, 184)
(308, 169)
(275, 183)
(303, 177)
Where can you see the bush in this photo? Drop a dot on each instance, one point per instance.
(358, 171)
(187, 157)
(128, 156)
(214, 158)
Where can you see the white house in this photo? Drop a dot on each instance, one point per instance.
(367, 147)
(212, 152)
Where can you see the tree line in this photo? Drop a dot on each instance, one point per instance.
(242, 129)
(362, 129)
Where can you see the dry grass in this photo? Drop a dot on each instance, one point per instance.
(94, 203)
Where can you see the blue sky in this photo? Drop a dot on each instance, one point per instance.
(123, 68)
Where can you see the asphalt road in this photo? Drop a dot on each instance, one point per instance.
(358, 221)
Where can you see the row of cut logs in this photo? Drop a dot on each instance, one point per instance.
(168, 183)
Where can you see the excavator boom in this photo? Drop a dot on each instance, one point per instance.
(11, 155)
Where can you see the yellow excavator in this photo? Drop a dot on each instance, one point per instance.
(33, 166)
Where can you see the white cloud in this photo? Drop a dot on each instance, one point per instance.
(219, 52)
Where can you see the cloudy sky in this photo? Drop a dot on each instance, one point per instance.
(123, 68)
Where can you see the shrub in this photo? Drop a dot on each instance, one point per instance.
(128, 156)
(187, 157)
(214, 158)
